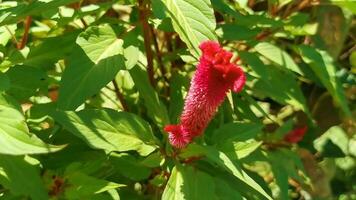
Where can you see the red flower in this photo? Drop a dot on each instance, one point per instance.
(214, 77)
(296, 135)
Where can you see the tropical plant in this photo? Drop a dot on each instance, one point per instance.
(177, 99)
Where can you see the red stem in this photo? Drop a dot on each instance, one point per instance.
(24, 39)
(143, 16)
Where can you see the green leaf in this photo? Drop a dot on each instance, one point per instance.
(95, 62)
(351, 5)
(109, 130)
(5, 33)
(25, 81)
(153, 160)
(239, 150)
(21, 177)
(277, 84)
(238, 32)
(188, 183)
(322, 65)
(156, 109)
(235, 139)
(193, 20)
(12, 15)
(15, 138)
(277, 55)
(82, 186)
(333, 143)
(284, 164)
(129, 166)
(226, 191)
(237, 131)
(178, 85)
(51, 50)
(220, 159)
(4, 82)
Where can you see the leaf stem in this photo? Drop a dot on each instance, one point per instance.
(24, 39)
(14, 40)
(120, 96)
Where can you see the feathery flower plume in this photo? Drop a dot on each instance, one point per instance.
(214, 77)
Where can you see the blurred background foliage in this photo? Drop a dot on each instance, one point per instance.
(87, 85)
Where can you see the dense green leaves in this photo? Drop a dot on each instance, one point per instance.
(193, 20)
(11, 15)
(41, 55)
(277, 56)
(156, 109)
(21, 176)
(322, 65)
(95, 61)
(333, 143)
(109, 130)
(15, 138)
(222, 161)
(277, 84)
(82, 186)
(101, 79)
(25, 81)
(129, 166)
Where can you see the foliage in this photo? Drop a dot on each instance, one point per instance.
(86, 87)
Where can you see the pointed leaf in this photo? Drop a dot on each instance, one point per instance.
(95, 62)
(109, 130)
(15, 138)
(193, 20)
(188, 183)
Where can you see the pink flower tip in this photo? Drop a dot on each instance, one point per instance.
(177, 137)
(214, 77)
(296, 135)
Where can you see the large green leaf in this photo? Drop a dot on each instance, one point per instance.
(82, 186)
(193, 20)
(237, 131)
(51, 50)
(277, 55)
(277, 84)
(333, 143)
(226, 191)
(129, 166)
(13, 14)
(187, 183)
(156, 109)
(109, 130)
(351, 5)
(46, 53)
(236, 139)
(220, 159)
(15, 138)
(322, 65)
(238, 32)
(25, 81)
(95, 62)
(21, 177)
(5, 33)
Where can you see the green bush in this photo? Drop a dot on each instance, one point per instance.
(87, 87)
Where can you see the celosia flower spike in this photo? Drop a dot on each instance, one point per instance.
(214, 77)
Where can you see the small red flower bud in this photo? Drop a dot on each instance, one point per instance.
(296, 135)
